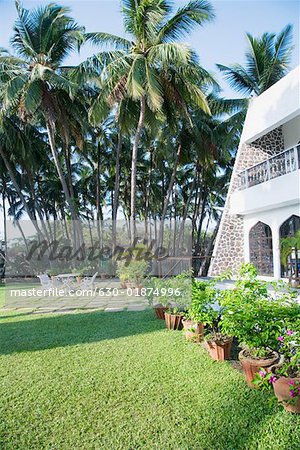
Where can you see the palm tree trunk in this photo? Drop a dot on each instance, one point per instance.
(206, 260)
(19, 226)
(185, 214)
(4, 220)
(98, 188)
(167, 197)
(134, 166)
(77, 231)
(116, 191)
(19, 191)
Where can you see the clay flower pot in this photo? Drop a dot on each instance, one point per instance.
(135, 288)
(160, 311)
(173, 321)
(193, 331)
(219, 350)
(282, 391)
(251, 366)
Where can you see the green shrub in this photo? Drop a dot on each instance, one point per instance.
(255, 316)
(204, 297)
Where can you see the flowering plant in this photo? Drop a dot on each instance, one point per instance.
(289, 348)
(289, 343)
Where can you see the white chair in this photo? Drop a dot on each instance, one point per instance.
(46, 281)
(87, 282)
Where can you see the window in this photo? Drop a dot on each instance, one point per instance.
(289, 228)
(261, 249)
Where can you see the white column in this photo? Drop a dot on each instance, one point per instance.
(276, 252)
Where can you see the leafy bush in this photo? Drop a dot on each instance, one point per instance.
(204, 296)
(134, 271)
(134, 264)
(255, 316)
(174, 292)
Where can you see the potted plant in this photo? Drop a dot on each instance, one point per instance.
(132, 273)
(179, 289)
(255, 317)
(203, 293)
(285, 376)
(157, 295)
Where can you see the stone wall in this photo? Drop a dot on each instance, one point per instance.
(229, 246)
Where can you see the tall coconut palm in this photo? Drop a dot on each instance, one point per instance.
(42, 39)
(152, 66)
(267, 61)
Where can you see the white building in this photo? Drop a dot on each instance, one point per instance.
(263, 202)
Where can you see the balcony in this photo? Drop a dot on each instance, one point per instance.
(270, 185)
(281, 164)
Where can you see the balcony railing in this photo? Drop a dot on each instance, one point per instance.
(276, 166)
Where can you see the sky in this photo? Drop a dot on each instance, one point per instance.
(222, 41)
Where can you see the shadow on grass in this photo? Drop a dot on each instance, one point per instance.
(42, 333)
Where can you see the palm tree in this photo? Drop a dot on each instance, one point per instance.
(267, 61)
(37, 83)
(151, 68)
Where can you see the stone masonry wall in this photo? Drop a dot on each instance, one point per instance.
(229, 246)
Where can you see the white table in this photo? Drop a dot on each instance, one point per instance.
(67, 279)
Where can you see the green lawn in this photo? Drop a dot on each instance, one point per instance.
(121, 381)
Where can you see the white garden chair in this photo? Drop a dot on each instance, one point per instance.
(49, 283)
(46, 281)
(87, 282)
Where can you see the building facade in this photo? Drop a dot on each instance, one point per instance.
(263, 201)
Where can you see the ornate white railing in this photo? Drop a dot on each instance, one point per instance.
(276, 166)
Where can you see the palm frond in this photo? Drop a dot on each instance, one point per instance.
(33, 96)
(135, 85)
(153, 89)
(168, 52)
(196, 12)
(238, 78)
(107, 39)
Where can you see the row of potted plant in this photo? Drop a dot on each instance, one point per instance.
(265, 323)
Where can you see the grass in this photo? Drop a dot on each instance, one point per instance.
(121, 381)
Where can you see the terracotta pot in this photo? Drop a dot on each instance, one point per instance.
(193, 331)
(136, 288)
(160, 311)
(251, 366)
(282, 391)
(219, 351)
(173, 321)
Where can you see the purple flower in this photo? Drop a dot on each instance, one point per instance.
(292, 382)
(289, 332)
(280, 338)
(262, 373)
(272, 379)
(293, 394)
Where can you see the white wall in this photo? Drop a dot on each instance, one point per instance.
(291, 132)
(277, 105)
(274, 218)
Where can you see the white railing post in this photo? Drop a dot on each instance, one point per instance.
(285, 162)
(296, 149)
(268, 170)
